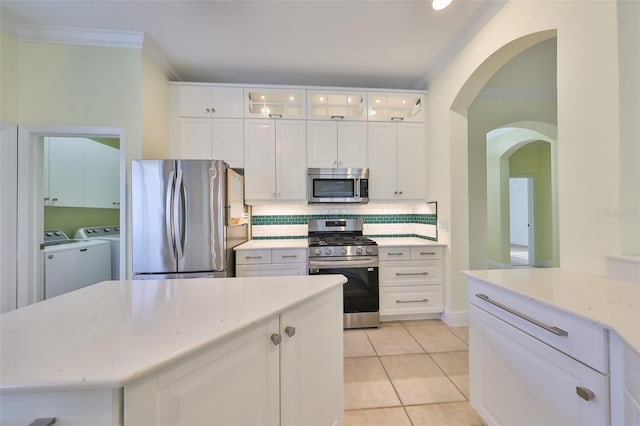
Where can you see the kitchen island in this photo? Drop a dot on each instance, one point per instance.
(553, 346)
(262, 350)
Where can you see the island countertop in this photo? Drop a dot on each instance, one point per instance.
(613, 304)
(108, 334)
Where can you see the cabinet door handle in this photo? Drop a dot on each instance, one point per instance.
(585, 393)
(423, 253)
(396, 254)
(400, 274)
(45, 421)
(551, 329)
(213, 110)
(253, 257)
(400, 192)
(337, 117)
(291, 331)
(397, 118)
(289, 256)
(411, 301)
(275, 115)
(276, 338)
(54, 199)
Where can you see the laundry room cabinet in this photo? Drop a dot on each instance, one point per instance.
(274, 158)
(397, 154)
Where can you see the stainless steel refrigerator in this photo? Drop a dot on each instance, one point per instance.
(187, 215)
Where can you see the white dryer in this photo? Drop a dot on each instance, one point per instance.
(73, 264)
(108, 233)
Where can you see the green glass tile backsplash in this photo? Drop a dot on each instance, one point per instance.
(302, 219)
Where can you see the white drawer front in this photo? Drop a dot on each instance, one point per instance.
(426, 252)
(585, 341)
(289, 255)
(411, 300)
(253, 257)
(411, 273)
(394, 253)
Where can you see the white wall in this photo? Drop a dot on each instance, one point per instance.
(588, 128)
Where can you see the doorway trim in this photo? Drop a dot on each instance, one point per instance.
(30, 209)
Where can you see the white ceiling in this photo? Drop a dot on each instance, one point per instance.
(396, 44)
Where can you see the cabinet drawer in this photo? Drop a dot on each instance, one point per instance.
(426, 252)
(584, 341)
(253, 257)
(411, 300)
(289, 256)
(394, 253)
(411, 273)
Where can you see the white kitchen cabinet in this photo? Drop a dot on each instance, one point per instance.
(411, 282)
(207, 101)
(532, 364)
(101, 176)
(397, 156)
(261, 102)
(336, 144)
(271, 262)
(215, 138)
(336, 105)
(625, 382)
(407, 107)
(80, 172)
(274, 158)
(269, 374)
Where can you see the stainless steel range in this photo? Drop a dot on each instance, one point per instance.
(336, 246)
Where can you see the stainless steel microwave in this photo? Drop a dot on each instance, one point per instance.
(338, 185)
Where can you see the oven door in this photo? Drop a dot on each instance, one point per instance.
(361, 293)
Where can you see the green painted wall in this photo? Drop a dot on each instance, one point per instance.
(8, 79)
(534, 159)
(69, 219)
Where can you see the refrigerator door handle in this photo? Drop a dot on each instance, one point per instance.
(169, 206)
(179, 215)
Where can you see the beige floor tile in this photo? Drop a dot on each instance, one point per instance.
(461, 332)
(422, 322)
(395, 416)
(452, 414)
(390, 324)
(418, 380)
(456, 366)
(356, 343)
(393, 341)
(437, 338)
(366, 384)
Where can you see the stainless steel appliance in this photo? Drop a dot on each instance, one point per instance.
(336, 246)
(338, 185)
(187, 215)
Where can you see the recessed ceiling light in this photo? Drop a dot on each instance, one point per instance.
(291, 98)
(440, 4)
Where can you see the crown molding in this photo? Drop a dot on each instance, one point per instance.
(80, 36)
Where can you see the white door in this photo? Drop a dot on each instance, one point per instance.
(227, 141)
(322, 146)
(291, 171)
(194, 141)
(227, 102)
(260, 159)
(382, 159)
(521, 220)
(195, 101)
(66, 171)
(102, 175)
(311, 359)
(412, 161)
(352, 144)
(8, 216)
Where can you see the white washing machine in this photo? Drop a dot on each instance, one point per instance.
(108, 233)
(73, 264)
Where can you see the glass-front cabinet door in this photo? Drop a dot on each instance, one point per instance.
(336, 105)
(274, 103)
(396, 107)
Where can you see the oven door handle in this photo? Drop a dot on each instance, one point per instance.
(343, 264)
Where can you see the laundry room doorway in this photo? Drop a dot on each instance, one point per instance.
(521, 229)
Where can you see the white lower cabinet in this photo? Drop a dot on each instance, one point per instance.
(518, 378)
(271, 262)
(411, 282)
(625, 383)
(286, 370)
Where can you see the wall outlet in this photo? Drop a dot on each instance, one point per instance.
(443, 225)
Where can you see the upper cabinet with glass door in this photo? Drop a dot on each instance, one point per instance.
(396, 107)
(274, 103)
(336, 105)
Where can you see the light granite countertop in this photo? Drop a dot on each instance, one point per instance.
(404, 242)
(304, 243)
(613, 304)
(108, 334)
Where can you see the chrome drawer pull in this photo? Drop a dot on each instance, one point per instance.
(411, 301)
(253, 257)
(585, 393)
(427, 252)
(555, 330)
(400, 274)
(396, 254)
(289, 256)
(44, 421)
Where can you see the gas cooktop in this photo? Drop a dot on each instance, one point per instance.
(339, 237)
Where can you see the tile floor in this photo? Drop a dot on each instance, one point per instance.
(407, 373)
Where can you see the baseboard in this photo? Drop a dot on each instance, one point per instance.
(455, 318)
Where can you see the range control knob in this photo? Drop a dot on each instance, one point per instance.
(327, 251)
(49, 234)
(343, 251)
(359, 250)
(317, 252)
(107, 229)
(369, 250)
